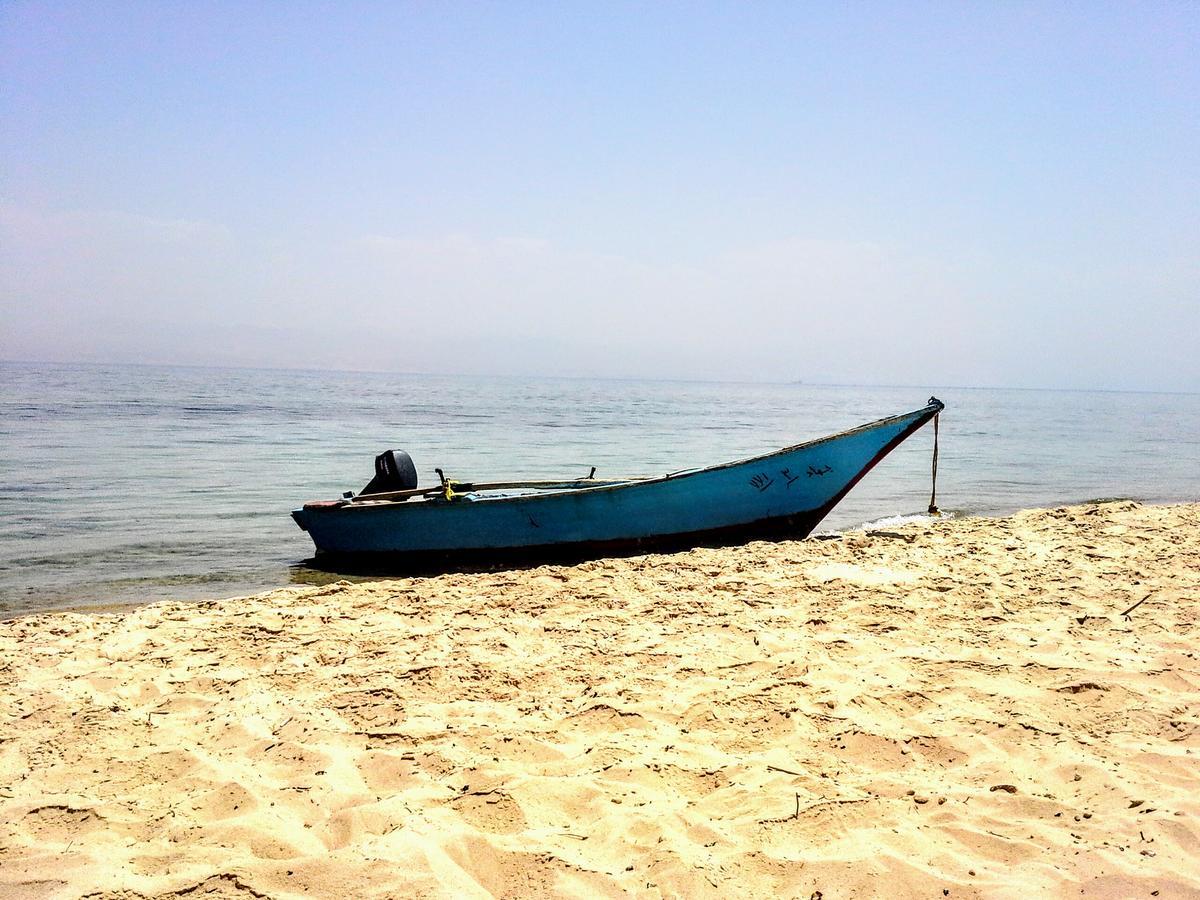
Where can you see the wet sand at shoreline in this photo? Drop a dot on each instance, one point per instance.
(956, 708)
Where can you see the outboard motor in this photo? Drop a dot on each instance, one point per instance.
(394, 471)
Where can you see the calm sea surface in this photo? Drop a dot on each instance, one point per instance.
(124, 484)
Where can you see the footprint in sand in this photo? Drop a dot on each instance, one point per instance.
(388, 772)
(60, 824)
(367, 710)
(492, 811)
(223, 802)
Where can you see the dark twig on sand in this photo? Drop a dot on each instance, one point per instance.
(785, 771)
(1136, 605)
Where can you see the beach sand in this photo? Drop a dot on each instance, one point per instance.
(956, 708)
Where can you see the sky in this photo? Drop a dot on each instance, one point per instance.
(1001, 194)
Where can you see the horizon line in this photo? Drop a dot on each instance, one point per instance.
(674, 379)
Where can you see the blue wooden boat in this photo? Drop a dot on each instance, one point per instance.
(399, 526)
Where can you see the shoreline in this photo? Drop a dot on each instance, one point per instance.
(323, 577)
(949, 705)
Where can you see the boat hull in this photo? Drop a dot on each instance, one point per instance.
(786, 493)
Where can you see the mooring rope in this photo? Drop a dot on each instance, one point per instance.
(933, 510)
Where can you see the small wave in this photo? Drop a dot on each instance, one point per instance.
(904, 519)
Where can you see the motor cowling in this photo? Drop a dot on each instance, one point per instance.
(394, 471)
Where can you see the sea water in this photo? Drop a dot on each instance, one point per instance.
(129, 484)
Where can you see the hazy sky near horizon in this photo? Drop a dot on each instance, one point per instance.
(913, 193)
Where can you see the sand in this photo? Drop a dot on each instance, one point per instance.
(955, 708)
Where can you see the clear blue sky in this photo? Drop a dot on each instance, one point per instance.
(992, 194)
